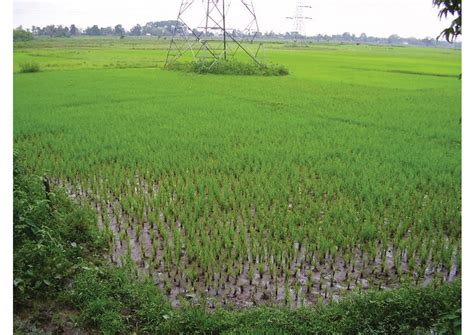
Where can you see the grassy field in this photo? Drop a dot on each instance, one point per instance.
(344, 175)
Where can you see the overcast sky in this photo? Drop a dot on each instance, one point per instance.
(374, 17)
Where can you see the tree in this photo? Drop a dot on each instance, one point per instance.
(61, 31)
(106, 31)
(19, 34)
(136, 31)
(94, 30)
(73, 30)
(394, 39)
(118, 30)
(148, 28)
(49, 30)
(428, 41)
(346, 37)
(453, 8)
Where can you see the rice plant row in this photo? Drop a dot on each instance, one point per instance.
(202, 236)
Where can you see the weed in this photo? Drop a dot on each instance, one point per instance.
(29, 67)
(231, 68)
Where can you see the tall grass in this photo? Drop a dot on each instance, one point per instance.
(29, 67)
(231, 68)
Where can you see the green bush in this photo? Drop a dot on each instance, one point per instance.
(231, 68)
(29, 67)
(51, 236)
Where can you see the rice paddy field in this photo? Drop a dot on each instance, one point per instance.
(249, 190)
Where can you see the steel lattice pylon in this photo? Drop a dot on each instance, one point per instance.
(299, 20)
(220, 35)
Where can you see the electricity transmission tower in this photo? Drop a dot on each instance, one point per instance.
(210, 31)
(299, 20)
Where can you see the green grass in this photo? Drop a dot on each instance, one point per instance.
(355, 156)
(115, 301)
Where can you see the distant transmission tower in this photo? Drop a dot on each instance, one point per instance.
(299, 20)
(214, 39)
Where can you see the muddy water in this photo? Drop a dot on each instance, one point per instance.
(331, 278)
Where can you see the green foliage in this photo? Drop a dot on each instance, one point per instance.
(21, 35)
(117, 301)
(396, 312)
(29, 67)
(450, 323)
(51, 237)
(231, 68)
(452, 8)
(393, 312)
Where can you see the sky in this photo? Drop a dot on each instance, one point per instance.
(381, 18)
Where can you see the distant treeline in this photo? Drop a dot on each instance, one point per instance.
(168, 28)
(160, 28)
